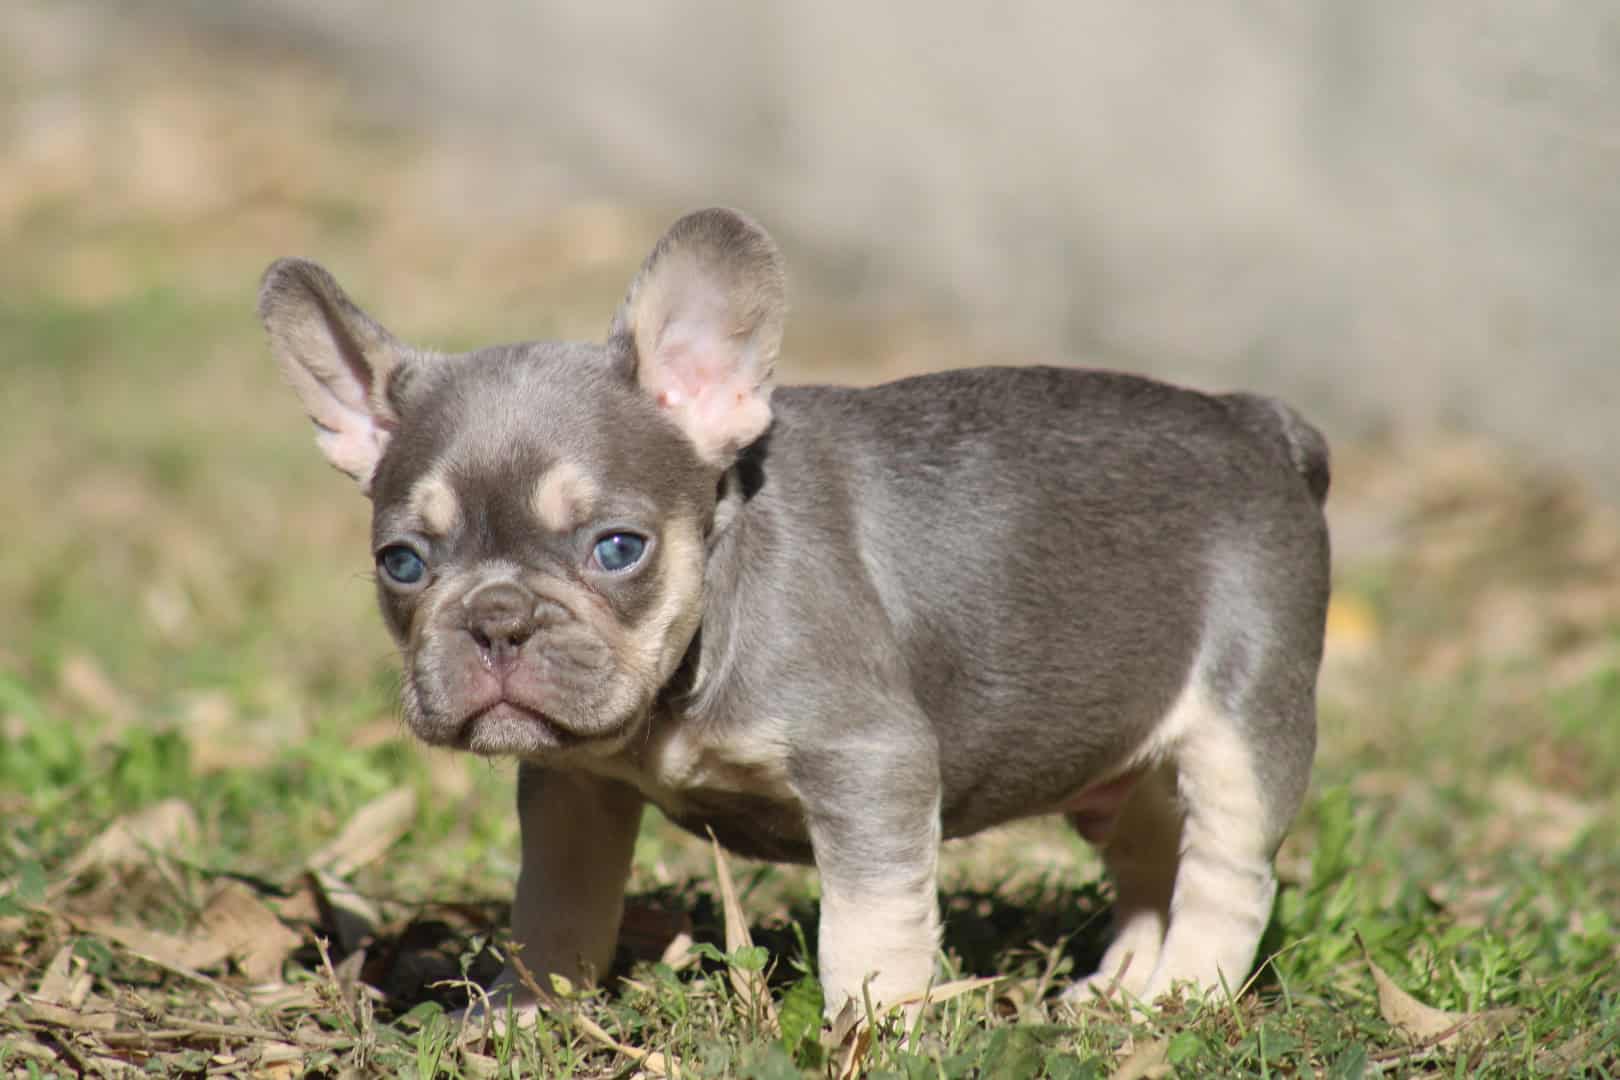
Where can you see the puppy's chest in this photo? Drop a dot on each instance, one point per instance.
(736, 785)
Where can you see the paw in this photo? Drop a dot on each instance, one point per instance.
(1120, 979)
(506, 1003)
(883, 977)
(1103, 987)
(1094, 987)
(846, 1013)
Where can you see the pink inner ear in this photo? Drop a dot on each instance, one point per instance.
(704, 386)
(354, 449)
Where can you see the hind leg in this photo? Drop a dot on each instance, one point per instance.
(1224, 882)
(1140, 851)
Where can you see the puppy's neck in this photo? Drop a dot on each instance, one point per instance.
(737, 486)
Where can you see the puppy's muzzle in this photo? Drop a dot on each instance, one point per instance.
(501, 616)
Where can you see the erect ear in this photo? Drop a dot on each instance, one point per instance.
(702, 324)
(337, 359)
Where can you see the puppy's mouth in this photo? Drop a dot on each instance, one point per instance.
(506, 727)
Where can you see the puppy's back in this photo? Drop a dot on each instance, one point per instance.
(1037, 550)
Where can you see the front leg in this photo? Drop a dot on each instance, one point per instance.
(578, 835)
(873, 814)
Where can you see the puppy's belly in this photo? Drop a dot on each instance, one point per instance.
(749, 825)
(1093, 810)
(761, 828)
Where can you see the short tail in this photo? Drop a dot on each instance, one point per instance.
(1271, 420)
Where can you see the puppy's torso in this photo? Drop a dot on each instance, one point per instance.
(1054, 565)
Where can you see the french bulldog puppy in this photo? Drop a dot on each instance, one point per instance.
(838, 625)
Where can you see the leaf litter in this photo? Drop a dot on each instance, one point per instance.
(236, 947)
(241, 940)
(1426, 1028)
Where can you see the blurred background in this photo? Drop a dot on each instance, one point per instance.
(1405, 219)
(1396, 217)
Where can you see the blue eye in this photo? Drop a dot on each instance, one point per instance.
(619, 551)
(402, 565)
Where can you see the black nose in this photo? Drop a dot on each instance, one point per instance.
(500, 618)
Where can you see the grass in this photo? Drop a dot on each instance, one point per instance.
(186, 623)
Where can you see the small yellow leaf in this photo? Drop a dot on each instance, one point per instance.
(1352, 625)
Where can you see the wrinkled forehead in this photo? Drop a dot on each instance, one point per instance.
(526, 435)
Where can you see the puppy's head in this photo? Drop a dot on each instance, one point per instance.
(540, 511)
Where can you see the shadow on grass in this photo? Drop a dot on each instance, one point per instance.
(987, 932)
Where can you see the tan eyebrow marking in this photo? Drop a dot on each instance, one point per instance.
(563, 497)
(434, 501)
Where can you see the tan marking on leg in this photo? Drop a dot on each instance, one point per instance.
(1224, 883)
(562, 497)
(1141, 854)
(435, 505)
(884, 943)
(879, 910)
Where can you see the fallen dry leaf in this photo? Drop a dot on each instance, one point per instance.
(218, 738)
(1568, 1058)
(86, 684)
(65, 981)
(303, 996)
(1426, 1025)
(279, 1053)
(186, 955)
(849, 1037)
(679, 954)
(559, 1004)
(1146, 1062)
(373, 829)
(346, 915)
(102, 1019)
(249, 932)
(23, 1046)
(647, 931)
(749, 985)
(355, 991)
(301, 905)
(158, 831)
(651, 1061)
(934, 995)
(852, 1018)
(479, 1066)
(843, 1025)
(853, 1051)
(1535, 817)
